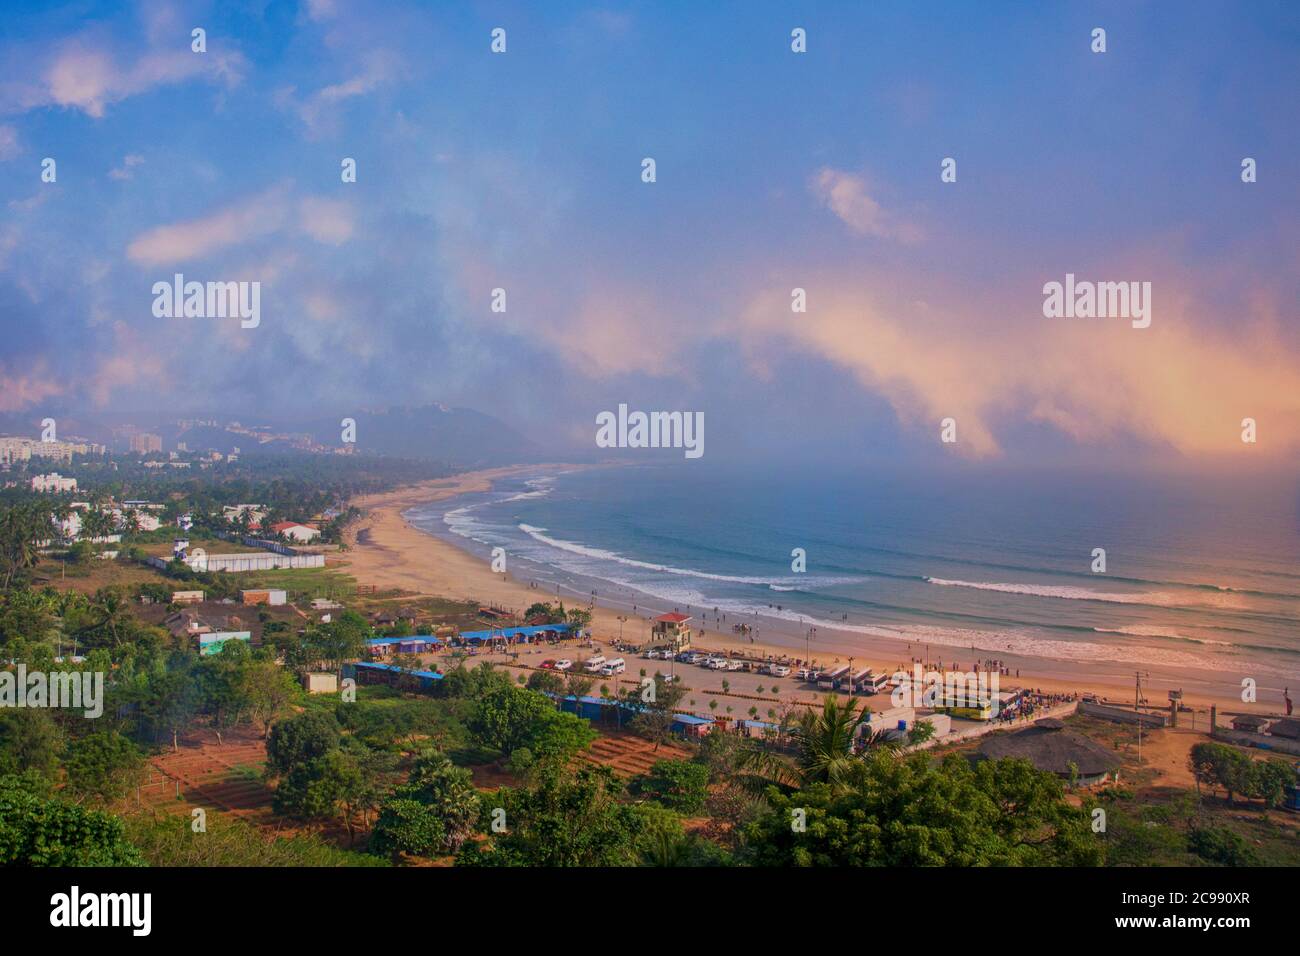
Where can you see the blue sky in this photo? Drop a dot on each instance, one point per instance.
(775, 170)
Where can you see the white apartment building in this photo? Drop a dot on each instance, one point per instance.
(53, 483)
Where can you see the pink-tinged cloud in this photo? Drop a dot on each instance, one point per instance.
(1178, 384)
(271, 212)
(846, 195)
(319, 110)
(23, 389)
(8, 142)
(180, 242)
(132, 364)
(125, 171)
(85, 74)
(327, 221)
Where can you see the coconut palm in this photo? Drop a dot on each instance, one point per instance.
(111, 618)
(824, 742)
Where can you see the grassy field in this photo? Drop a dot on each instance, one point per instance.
(94, 574)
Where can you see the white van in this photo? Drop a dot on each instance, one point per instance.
(779, 670)
(594, 664)
(616, 666)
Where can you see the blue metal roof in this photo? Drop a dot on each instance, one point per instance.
(432, 675)
(690, 719)
(427, 638)
(512, 632)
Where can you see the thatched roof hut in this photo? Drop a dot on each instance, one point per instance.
(1049, 746)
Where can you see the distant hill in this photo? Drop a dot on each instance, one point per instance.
(432, 432)
(456, 436)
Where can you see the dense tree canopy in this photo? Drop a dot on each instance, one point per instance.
(912, 811)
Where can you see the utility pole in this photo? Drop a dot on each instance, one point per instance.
(1137, 697)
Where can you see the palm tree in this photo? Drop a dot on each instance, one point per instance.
(666, 849)
(112, 616)
(824, 751)
(20, 530)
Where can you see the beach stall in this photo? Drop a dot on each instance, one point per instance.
(688, 725)
(417, 644)
(371, 673)
(516, 635)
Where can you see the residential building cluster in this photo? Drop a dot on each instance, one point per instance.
(15, 450)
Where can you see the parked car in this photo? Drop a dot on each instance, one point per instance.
(716, 663)
(735, 665)
(563, 664)
(779, 670)
(616, 666)
(549, 665)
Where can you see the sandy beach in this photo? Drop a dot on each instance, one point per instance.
(384, 550)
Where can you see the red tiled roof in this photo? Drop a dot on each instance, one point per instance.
(281, 525)
(673, 618)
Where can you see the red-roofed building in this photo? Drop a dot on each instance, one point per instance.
(673, 629)
(302, 533)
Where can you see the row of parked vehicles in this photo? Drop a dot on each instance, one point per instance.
(717, 663)
(592, 665)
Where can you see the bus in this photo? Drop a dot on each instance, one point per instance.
(827, 680)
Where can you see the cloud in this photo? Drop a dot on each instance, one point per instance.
(132, 364)
(22, 389)
(319, 111)
(326, 220)
(268, 213)
(318, 10)
(178, 242)
(8, 143)
(129, 162)
(1176, 384)
(86, 74)
(845, 194)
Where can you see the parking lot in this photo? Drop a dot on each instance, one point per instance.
(738, 689)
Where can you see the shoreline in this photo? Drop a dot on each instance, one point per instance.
(386, 551)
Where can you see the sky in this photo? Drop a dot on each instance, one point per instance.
(774, 170)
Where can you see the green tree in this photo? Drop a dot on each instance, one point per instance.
(1220, 845)
(36, 830)
(509, 718)
(267, 691)
(300, 739)
(546, 682)
(911, 811)
(341, 640)
(824, 751)
(30, 740)
(654, 717)
(566, 819)
(111, 623)
(104, 765)
(433, 813)
(1219, 765)
(21, 528)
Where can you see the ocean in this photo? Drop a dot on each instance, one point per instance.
(1201, 582)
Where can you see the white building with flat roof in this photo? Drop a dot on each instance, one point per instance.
(53, 483)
